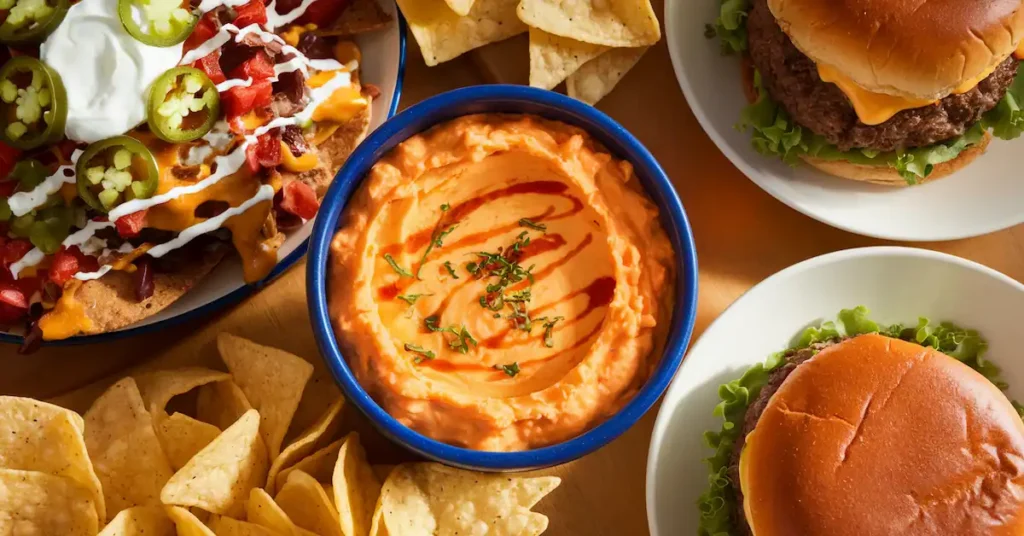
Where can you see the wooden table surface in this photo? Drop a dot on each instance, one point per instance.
(743, 235)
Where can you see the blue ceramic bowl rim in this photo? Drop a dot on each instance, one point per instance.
(613, 136)
(244, 291)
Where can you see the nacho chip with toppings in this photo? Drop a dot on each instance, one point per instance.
(36, 436)
(186, 523)
(182, 437)
(126, 454)
(443, 34)
(454, 501)
(599, 76)
(356, 487)
(221, 403)
(312, 439)
(618, 23)
(38, 503)
(159, 387)
(219, 477)
(272, 381)
(140, 521)
(308, 505)
(553, 57)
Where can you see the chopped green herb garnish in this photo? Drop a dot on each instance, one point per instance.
(451, 269)
(473, 268)
(511, 370)
(549, 328)
(445, 207)
(462, 339)
(423, 352)
(394, 266)
(411, 298)
(526, 222)
(436, 240)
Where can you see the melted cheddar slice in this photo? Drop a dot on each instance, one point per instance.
(877, 108)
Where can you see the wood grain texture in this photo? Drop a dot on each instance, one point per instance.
(743, 235)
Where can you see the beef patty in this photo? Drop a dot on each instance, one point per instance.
(792, 80)
(791, 360)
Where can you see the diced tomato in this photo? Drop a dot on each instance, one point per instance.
(63, 267)
(266, 152)
(258, 67)
(14, 250)
(323, 13)
(298, 198)
(239, 101)
(210, 64)
(10, 314)
(11, 295)
(8, 158)
(129, 226)
(254, 12)
(205, 29)
(7, 188)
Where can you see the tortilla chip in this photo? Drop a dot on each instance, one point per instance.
(221, 403)
(618, 23)
(272, 381)
(361, 16)
(263, 511)
(462, 7)
(334, 151)
(219, 477)
(320, 394)
(37, 503)
(182, 437)
(140, 521)
(307, 504)
(36, 436)
(319, 465)
(453, 501)
(599, 76)
(186, 523)
(225, 526)
(312, 439)
(160, 386)
(383, 471)
(356, 487)
(129, 461)
(444, 35)
(553, 57)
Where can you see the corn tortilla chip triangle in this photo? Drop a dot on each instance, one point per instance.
(36, 436)
(617, 23)
(225, 526)
(219, 477)
(263, 511)
(356, 487)
(453, 501)
(182, 437)
(186, 523)
(307, 504)
(383, 471)
(159, 387)
(461, 7)
(314, 438)
(598, 77)
(221, 403)
(37, 503)
(553, 57)
(140, 521)
(361, 16)
(272, 381)
(319, 465)
(320, 393)
(443, 35)
(126, 454)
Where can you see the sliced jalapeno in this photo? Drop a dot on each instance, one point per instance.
(30, 21)
(33, 103)
(116, 170)
(183, 105)
(29, 173)
(50, 227)
(167, 22)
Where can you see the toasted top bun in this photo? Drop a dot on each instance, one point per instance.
(877, 436)
(908, 48)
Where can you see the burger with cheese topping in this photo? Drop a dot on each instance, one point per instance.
(887, 91)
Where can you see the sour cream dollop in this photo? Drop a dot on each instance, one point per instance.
(107, 72)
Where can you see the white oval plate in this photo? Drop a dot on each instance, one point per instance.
(896, 284)
(384, 55)
(984, 197)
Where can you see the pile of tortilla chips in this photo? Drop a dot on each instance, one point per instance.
(134, 466)
(588, 44)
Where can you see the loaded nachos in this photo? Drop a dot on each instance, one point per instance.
(143, 140)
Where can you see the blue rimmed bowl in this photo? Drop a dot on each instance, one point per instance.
(504, 99)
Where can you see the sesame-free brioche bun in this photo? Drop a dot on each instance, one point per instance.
(877, 436)
(909, 48)
(889, 176)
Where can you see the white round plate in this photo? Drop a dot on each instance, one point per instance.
(896, 284)
(384, 63)
(982, 198)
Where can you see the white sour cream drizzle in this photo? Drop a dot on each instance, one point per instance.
(265, 193)
(209, 5)
(22, 203)
(89, 276)
(35, 256)
(275, 21)
(231, 84)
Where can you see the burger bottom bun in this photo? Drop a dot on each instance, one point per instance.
(876, 436)
(889, 176)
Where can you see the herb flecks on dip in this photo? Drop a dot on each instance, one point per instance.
(501, 283)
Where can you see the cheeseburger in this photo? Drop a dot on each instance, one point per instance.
(886, 91)
(872, 435)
